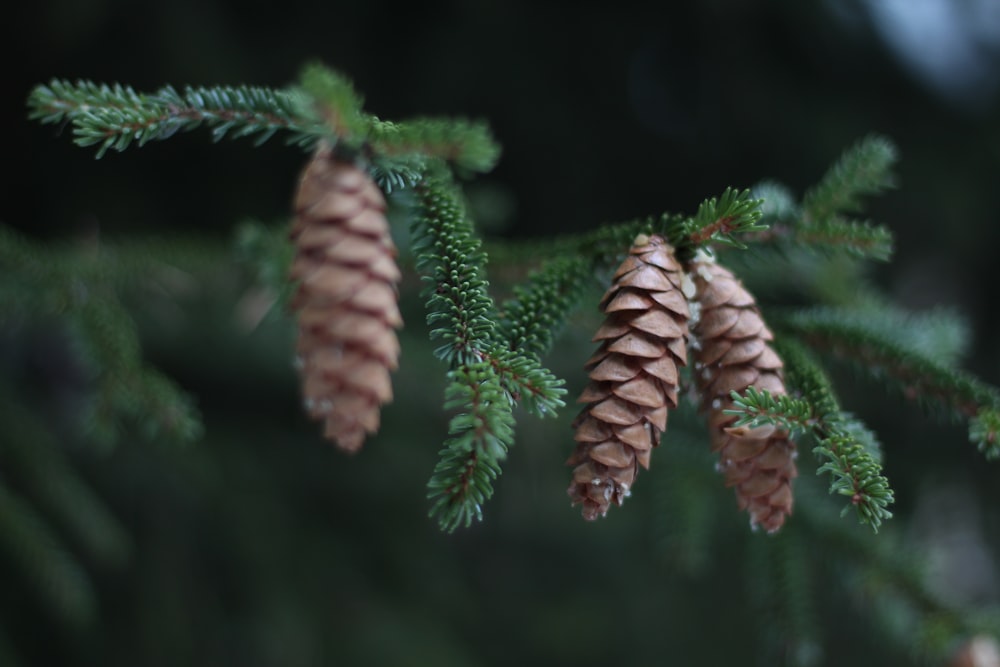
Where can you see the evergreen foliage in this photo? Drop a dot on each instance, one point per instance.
(493, 353)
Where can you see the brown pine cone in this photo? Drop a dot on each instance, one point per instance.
(633, 376)
(346, 298)
(731, 353)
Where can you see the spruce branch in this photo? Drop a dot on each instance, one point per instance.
(878, 353)
(759, 407)
(489, 377)
(530, 320)
(720, 220)
(452, 262)
(527, 382)
(940, 335)
(863, 169)
(331, 100)
(116, 117)
(860, 239)
(855, 471)
(322, 105)
(395, 174)
(83, 288)
(984, 432)
(127, 389)
(466, 144)
(819, 222)
(480, 437)
(461, 484)
(779, 204)
(601, 248)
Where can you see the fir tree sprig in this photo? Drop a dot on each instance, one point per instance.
(984, 432)
(759, 407)
(480, 438)
(854, 469)
(527, 382)
(323, 105)
(451, 259)
(116, 117)
(466, 144)
(82, 286)
(939, 335)
(880, 354)
(530, 320)
(488, 376)
(330, 101)
(720, 220)
(819, 221)
(859, 238)
(863, 169)
(459, 306)
(852, 459)
(601, 248)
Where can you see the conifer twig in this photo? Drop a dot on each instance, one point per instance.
(480, 438)
(854, 469)
(863, 169)
(918, 376)
(489, 376)
(531, 319)
(450, 257)
(324, 105)
(115, 117)
(720, 219)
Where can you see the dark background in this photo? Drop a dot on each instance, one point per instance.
(261, 545)
(605, 112)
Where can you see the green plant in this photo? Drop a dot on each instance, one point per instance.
(492, 349)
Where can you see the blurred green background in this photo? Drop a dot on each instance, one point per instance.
(262, 545)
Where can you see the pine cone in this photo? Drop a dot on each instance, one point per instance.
(731, 354)
(633, 376)
(346, 298)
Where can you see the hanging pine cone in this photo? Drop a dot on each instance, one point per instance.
(633, 376)
(346, 298)
(731, 353)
